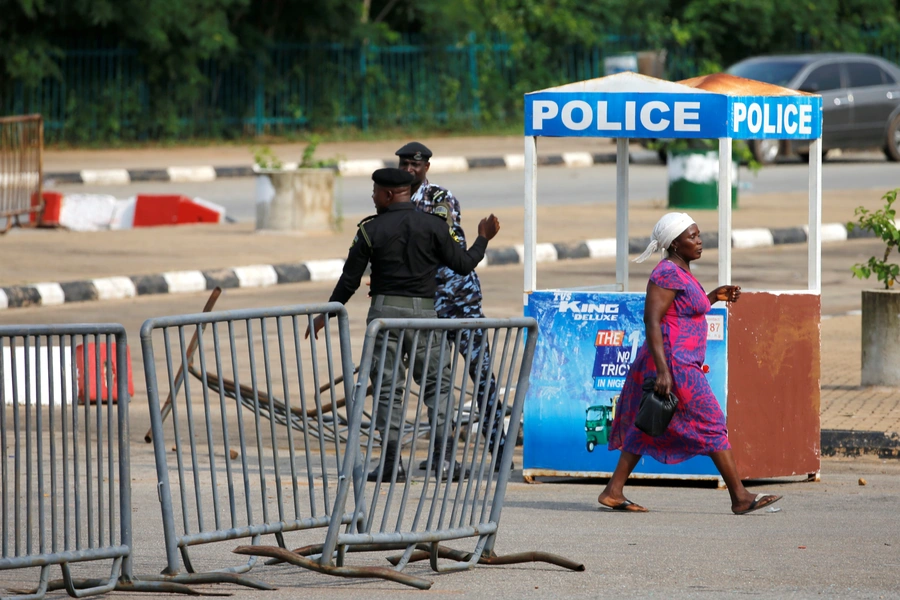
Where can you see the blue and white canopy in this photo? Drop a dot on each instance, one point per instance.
(719, 106)
(629, 105)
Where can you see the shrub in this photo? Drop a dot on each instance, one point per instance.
(883, 224)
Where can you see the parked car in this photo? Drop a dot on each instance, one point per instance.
(860, 100)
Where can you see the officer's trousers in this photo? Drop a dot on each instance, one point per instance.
(423, 361)
(479, 367)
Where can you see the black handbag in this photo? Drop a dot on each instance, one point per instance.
(655, 412)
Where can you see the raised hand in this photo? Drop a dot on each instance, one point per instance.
(489, 227)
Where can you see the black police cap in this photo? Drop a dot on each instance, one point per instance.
(415, 151)
(392, 178)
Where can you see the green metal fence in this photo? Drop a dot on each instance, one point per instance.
(105, 94)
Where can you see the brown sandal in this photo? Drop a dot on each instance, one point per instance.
(625, 506)
(761, 501)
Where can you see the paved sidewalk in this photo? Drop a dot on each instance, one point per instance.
(855, 419)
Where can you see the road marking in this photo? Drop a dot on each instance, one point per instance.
(325, 270)
(185, 281)
(831, 232)
(448, 164)
(191, 174)
(752, 238)
(514, 162)
(105, 177)
(51, 293)
(578, 159)
(542, 253)
(351, 168)
(114, 288)
(605, 248)
(256, 276)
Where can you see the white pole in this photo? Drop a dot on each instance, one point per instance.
(725, 172)
(815, 216)
(622, 214)
(530, 215)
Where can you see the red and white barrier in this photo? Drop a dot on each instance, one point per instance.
(39, 388)
(88, 380)
(78, 212)
(153, 209)
(93, 212)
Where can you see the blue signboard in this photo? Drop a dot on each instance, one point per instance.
(666, 115)
(587, 344)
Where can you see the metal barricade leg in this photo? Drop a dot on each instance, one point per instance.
(424, 512)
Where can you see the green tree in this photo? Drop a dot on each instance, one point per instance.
(726, 31)
(188, 50)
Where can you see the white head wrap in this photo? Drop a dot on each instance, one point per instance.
(664, 233)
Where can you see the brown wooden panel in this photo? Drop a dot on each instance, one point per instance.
(774, 344)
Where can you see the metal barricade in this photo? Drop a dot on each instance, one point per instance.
(21, 167)
(66, 483)
(458, 492)
(229, 462)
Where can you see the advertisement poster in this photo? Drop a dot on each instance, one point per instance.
(587, 344)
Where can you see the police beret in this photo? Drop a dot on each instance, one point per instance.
(392, 178)
(415, 151)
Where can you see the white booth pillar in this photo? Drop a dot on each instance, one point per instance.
(622, 214)
(530, 215)
(725, 175)
(814, 235)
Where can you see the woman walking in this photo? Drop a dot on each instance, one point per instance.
(675, 321)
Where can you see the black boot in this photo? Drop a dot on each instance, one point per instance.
(442, 468)
(390, 454)
(512, 465)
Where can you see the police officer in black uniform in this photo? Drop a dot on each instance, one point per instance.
(405, 248)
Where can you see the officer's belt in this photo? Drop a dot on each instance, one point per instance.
(403, 302)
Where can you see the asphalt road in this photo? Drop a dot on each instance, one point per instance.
(833, 539)
(493, 188)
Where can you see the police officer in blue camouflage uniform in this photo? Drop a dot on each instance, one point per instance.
(458, 296)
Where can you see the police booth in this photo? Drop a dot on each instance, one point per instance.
(763, 354)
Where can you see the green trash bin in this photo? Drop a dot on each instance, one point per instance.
(694, 179)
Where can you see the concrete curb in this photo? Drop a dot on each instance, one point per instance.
(854, 443)
(347, 168)
(174, 282)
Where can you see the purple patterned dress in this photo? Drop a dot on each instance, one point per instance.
(698, 426)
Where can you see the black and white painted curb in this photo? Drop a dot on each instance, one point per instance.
(253, 276)
(885, 444)
(347, 168)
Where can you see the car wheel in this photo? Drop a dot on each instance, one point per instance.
(892, 143)
(765, 151)
(590, 446)
(804, 156)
